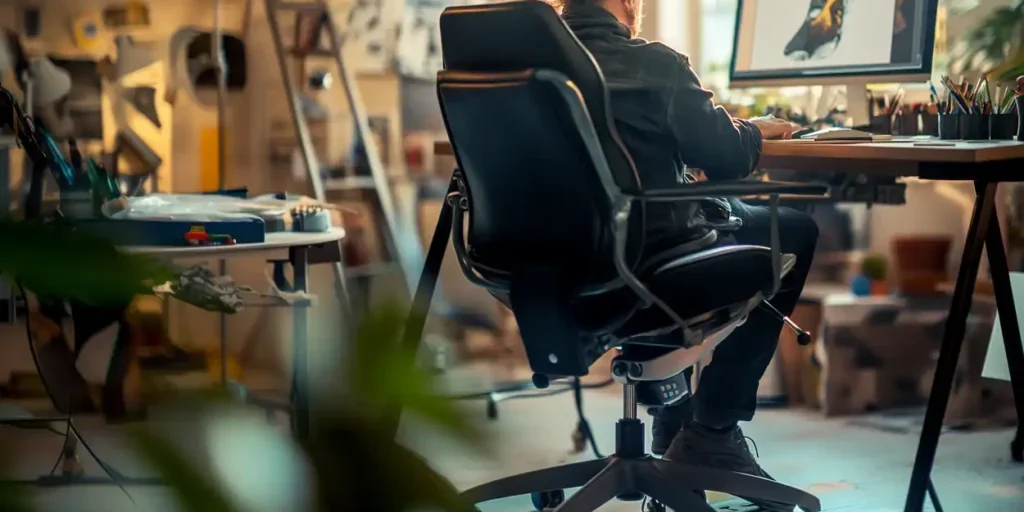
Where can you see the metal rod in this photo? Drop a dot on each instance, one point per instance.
(309, 158)
(220, 67)
(776, 245)
(952, 341)
(222, 86)
(300, 342)
(629, 401)
(295, 105)
(408, 255)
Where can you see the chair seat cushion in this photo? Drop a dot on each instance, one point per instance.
(703, 282)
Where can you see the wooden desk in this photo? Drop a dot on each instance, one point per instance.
(986, 164)
(923, 159)
(889, 158)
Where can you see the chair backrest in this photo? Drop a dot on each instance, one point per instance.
(528, 116)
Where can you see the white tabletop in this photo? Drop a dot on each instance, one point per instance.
(274, 241)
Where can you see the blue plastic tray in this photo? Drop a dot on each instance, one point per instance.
(171, 233)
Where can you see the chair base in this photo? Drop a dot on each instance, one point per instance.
(631, 475)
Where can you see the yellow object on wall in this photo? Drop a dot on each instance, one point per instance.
(86, 31)
(209, 171)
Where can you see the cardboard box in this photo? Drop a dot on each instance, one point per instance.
(880, 353)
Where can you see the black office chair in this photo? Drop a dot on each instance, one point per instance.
(550, 192)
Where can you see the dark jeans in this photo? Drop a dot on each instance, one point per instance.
(727, 392)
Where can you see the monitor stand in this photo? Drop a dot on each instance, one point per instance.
(858, 107)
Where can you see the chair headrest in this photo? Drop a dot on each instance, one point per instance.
(525, 35)
(509, 36)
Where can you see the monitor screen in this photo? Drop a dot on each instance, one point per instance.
(811, 40)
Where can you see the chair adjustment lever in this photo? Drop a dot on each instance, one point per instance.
(802, 337)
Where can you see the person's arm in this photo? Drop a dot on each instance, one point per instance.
(709, 138)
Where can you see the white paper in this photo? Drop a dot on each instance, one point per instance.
(996, 364)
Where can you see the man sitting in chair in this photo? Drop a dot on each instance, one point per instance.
(668, 121)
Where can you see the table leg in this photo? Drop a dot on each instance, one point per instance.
(952, 341)
(1008, 322)
(300, 355)
(223, 333)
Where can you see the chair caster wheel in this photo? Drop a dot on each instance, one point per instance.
(1017, 450)
(492, 409)
(654, 506)
(547, 500)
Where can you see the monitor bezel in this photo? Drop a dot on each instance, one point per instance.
(784, 79)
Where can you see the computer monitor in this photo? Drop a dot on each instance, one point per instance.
(833, 42)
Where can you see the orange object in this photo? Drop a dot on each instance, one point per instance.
(879, 288)
(197, 236)
(921, 263)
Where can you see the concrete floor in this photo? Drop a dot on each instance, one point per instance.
(851, 468)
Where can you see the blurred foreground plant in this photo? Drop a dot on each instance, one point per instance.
(355, 462)
(54, 262)
(996, 44)
(12, 498)
(58, 264)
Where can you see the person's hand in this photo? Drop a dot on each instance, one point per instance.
(774, 128)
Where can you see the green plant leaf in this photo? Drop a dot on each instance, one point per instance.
(387, 374)
(54, 261)
(997, 39)
(360, 468)
(193, 489)
(13, 498)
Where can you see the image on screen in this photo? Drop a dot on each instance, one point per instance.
(776, 37)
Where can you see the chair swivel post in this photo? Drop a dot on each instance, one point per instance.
(629, 431)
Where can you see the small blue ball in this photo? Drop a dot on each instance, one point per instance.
(860, 286)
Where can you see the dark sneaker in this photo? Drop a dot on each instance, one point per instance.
(664, 429)
(668, 422)
(726, 450)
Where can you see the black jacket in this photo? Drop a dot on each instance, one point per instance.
(666, 119)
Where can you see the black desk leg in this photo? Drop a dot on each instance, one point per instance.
(1008, 322)
(952, 341)
(300, 355)
(425, 288)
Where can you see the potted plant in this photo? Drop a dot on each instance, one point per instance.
(873, 277)
(997, 44)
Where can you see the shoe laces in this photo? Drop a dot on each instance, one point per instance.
(752, 443)
(745, 439)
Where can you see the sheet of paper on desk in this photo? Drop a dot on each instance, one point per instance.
(996, 365)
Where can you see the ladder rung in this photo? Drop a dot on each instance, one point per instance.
(350, 183)
(299, 52)
(370, 269)
(299, 6)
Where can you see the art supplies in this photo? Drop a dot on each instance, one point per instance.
(977, 98)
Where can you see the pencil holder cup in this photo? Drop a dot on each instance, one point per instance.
(949, 126)
(906, 123)
(881, 125)
(974, 126)
(1002, 126)
(929, 124)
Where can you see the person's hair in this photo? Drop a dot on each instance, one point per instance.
(560, 5)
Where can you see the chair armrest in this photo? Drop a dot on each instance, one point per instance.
(734, 188)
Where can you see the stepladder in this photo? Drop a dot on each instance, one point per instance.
(399, 239)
